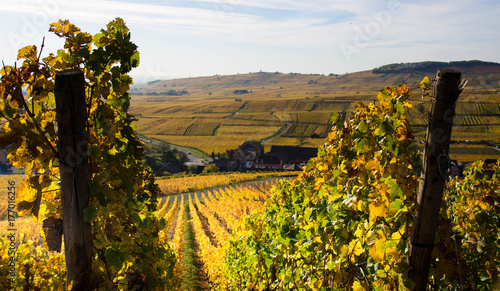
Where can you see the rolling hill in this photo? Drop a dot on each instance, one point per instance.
(482, 76)
(217, 113)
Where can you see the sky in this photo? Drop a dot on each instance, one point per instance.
(188, 38)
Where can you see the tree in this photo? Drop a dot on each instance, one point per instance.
(212, 168)
(192, 169)
(123, 193)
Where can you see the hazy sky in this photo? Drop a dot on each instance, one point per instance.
(206, 37)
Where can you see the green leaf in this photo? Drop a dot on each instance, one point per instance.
(363, 127)
(117, 103)
(90, 214)
(362, 145)
(334, 118)
(51, 100)
(114, 258)
(330, 265)
(135, 59)
(395, 190)
(7, 111)
(396, 205)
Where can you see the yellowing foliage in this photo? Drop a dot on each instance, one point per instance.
(345, 222)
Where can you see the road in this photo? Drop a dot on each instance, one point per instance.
(280, 133)
(237, 112)
(191, 158)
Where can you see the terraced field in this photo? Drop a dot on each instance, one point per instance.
(212, 118)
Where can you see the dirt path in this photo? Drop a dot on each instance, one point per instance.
(237, 112)
(194, 276)
(278, 134)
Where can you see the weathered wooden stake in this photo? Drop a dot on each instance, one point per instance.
(73, 163)
(432, 180)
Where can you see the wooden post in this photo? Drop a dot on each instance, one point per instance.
(432, 180)
(73, 164)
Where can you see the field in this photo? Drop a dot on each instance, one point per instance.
(294, 109)
(199, 227)
(172, 186)
(196, 226)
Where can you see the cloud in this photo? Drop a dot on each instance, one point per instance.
(226, 23)
(378, 32)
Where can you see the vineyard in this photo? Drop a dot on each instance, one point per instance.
(346, 222)
(277, 100)
(217, 220)
(174, 186)
(308, 123)
(340, 226)
(214, 216)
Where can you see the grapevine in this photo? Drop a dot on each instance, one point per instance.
(123, 194)
(179, 229)
(343, 223)
(163, 210)
(220, 233)
(473, 205)
(210, 254)
(169, 217)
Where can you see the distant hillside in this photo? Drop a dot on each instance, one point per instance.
(218, 113)
(482, 76)
(464, 66)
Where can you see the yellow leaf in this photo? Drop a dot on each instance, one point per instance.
(357, 286)
(358, 162)
(25, 193)
(356, 247)
(358, 232)
(424, 84)
(372, 165)
(41, 212)
(344, 250)
(378, 209)
(27, 52)
(376, 251)
(319, 183)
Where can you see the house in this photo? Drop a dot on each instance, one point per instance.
(267, 162)
(293, 154)
(283, 158)
(248, 151)
(292, 167)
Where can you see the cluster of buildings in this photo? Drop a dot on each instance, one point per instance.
(250, 156)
